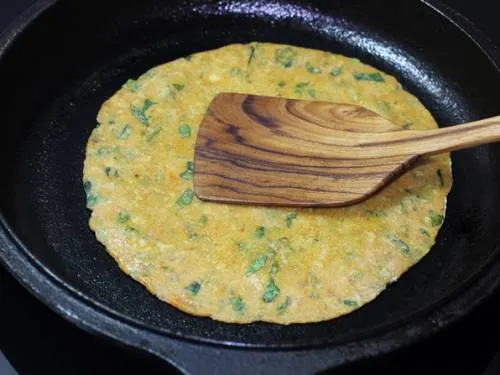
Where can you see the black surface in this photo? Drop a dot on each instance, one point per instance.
(444, 84)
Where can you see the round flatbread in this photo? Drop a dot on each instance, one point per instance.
(244, 264)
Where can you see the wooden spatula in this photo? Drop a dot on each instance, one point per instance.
(273, 151)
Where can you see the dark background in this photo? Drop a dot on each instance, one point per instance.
(37, 341)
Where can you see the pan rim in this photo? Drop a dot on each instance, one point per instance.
(14, 254)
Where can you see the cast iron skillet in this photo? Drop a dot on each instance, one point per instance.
(62, 59)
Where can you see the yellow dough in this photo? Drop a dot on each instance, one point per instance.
(244, 264)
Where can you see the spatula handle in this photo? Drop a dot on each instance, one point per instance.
(430, 142)
(460, 136)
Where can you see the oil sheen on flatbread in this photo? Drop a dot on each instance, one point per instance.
(244, 264)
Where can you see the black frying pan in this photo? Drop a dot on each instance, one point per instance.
(62, 59)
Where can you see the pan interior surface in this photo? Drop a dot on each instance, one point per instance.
(72, 58)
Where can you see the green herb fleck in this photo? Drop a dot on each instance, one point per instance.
(91, 198)
(97, 125)
(424, 232)
(275, 267)
(290, 218)
(235, 71)
(303, 88)
(203, 219)
(281, 308)
(257, 264)
(350, 254)
(186, 198)
(374, 77)
(185, 131)
(335, 72)
(140, 113)
(436, 219)
(103, 151)
(123, 217)
(440, 177)
(312, 69)
(132, 85)
(111, 172)
(188, 173)
(194, 288)
(281, 84)
(285, 56)
(403, 246)
(243, 246)
(376, 213)
(350, 303)
(425, 196)
(384, 106)
(408, 125)
(178, 86)
(271, 292)
(238, 304)
(87, 186)
(124, 133)
(151, 133)
(260, 232)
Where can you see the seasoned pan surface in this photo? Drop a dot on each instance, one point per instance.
(59, 68)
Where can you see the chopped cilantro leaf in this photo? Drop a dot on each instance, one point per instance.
(194, 288)
(424, 232)
(303, 88)
(235, 71)
(374, 77)
(123, 217)
(140, 113)
(185, 131)
(290, 218)
(335, 71)
(132, 85)
(257, 264)
(350, 303)
(111, 172)
(151, 133)
(203, 219)
(124, 133)
(260, 232)
(188, 173)
(436, 219)
(285, 56)
(186, 198)
(312, 69)
(271, 292)
(403, 246)
(91, 198)
(281, 308)
(238, 304)
(178, 86)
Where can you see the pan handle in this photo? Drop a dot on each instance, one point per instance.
(196, 359)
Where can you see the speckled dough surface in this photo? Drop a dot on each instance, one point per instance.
(243, 264)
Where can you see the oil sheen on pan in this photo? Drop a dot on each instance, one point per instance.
(244, 264)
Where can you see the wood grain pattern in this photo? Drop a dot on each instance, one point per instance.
(274, 151)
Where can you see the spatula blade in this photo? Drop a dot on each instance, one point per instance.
(274, 151)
